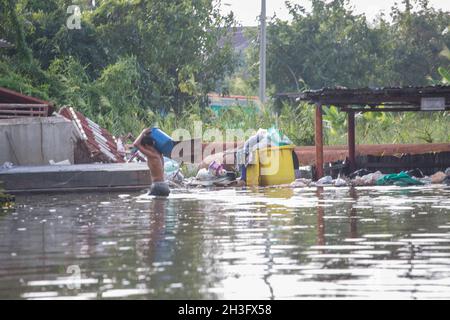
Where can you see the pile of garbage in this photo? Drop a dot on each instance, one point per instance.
(366, 178)
(218, 173)
(6, 166)
(172, 172)
(215, 175)
(261, 140)
(6, 200)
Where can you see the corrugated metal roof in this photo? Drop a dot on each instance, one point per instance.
(100, 143)
(406, 97)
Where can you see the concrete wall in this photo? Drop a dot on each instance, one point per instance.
(36, 141)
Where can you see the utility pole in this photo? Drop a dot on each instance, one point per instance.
(262, 53)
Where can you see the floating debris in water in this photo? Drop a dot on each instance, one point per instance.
(7, 201)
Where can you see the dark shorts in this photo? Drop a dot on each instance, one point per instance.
(159, 189)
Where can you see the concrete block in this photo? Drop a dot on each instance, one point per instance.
(36, 141)
(95, 177)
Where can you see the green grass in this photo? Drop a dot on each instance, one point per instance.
(297, 122)
(393, 128)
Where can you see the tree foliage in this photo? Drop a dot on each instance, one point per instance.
(174, 48)
(332, 46)
(134, 62)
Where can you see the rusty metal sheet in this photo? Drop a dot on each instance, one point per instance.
(101, 145)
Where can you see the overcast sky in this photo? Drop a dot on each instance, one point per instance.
(246, 11)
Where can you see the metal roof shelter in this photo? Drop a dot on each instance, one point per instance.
(407, 99)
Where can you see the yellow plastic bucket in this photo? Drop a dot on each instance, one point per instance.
(271, 166)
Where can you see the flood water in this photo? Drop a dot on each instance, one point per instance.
(375, 243)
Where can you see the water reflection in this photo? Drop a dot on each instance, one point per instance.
(268, 243)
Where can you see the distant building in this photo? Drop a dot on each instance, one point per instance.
(220, 102)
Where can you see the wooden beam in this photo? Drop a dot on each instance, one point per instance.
(23, 112)
(17, 116)
(351, 141)
(364, 110)
(22, 105)
(319, 142)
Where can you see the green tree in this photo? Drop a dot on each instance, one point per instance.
(13, 26)
(417, 39)
(332, 46)
(175, 44)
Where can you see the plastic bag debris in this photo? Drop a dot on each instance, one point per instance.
(278, 139)
(339, 182)
(438, 177)
(252, 143)
(204, 175)
(7, 165)
(327, 180)
(217, 169)
(416, 173)
(60, 163)
(360, 173)
(172, 171)
(206, 179)
(301, 183)
(368, 179)
(261, 140)
(402, 179)
(447, 178)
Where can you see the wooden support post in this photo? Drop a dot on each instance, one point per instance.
(319, 142)
(351, 141)
(320, 219)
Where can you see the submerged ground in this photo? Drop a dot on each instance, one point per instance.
(383, 242)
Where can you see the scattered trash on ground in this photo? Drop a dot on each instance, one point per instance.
(216, 169)
(359, 173)
(339, 182)
(172, 171)
(301, 183)
(438, 177)
(265, 159)
(7, 201)
(369, 179)
(416, 173)
(401, 179)
(207, 179)
(6, 166)
(327, 180)
(447, 178)
(60, 163)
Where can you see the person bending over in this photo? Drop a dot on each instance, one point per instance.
(155, 161)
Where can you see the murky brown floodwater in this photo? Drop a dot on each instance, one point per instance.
(269, 244)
